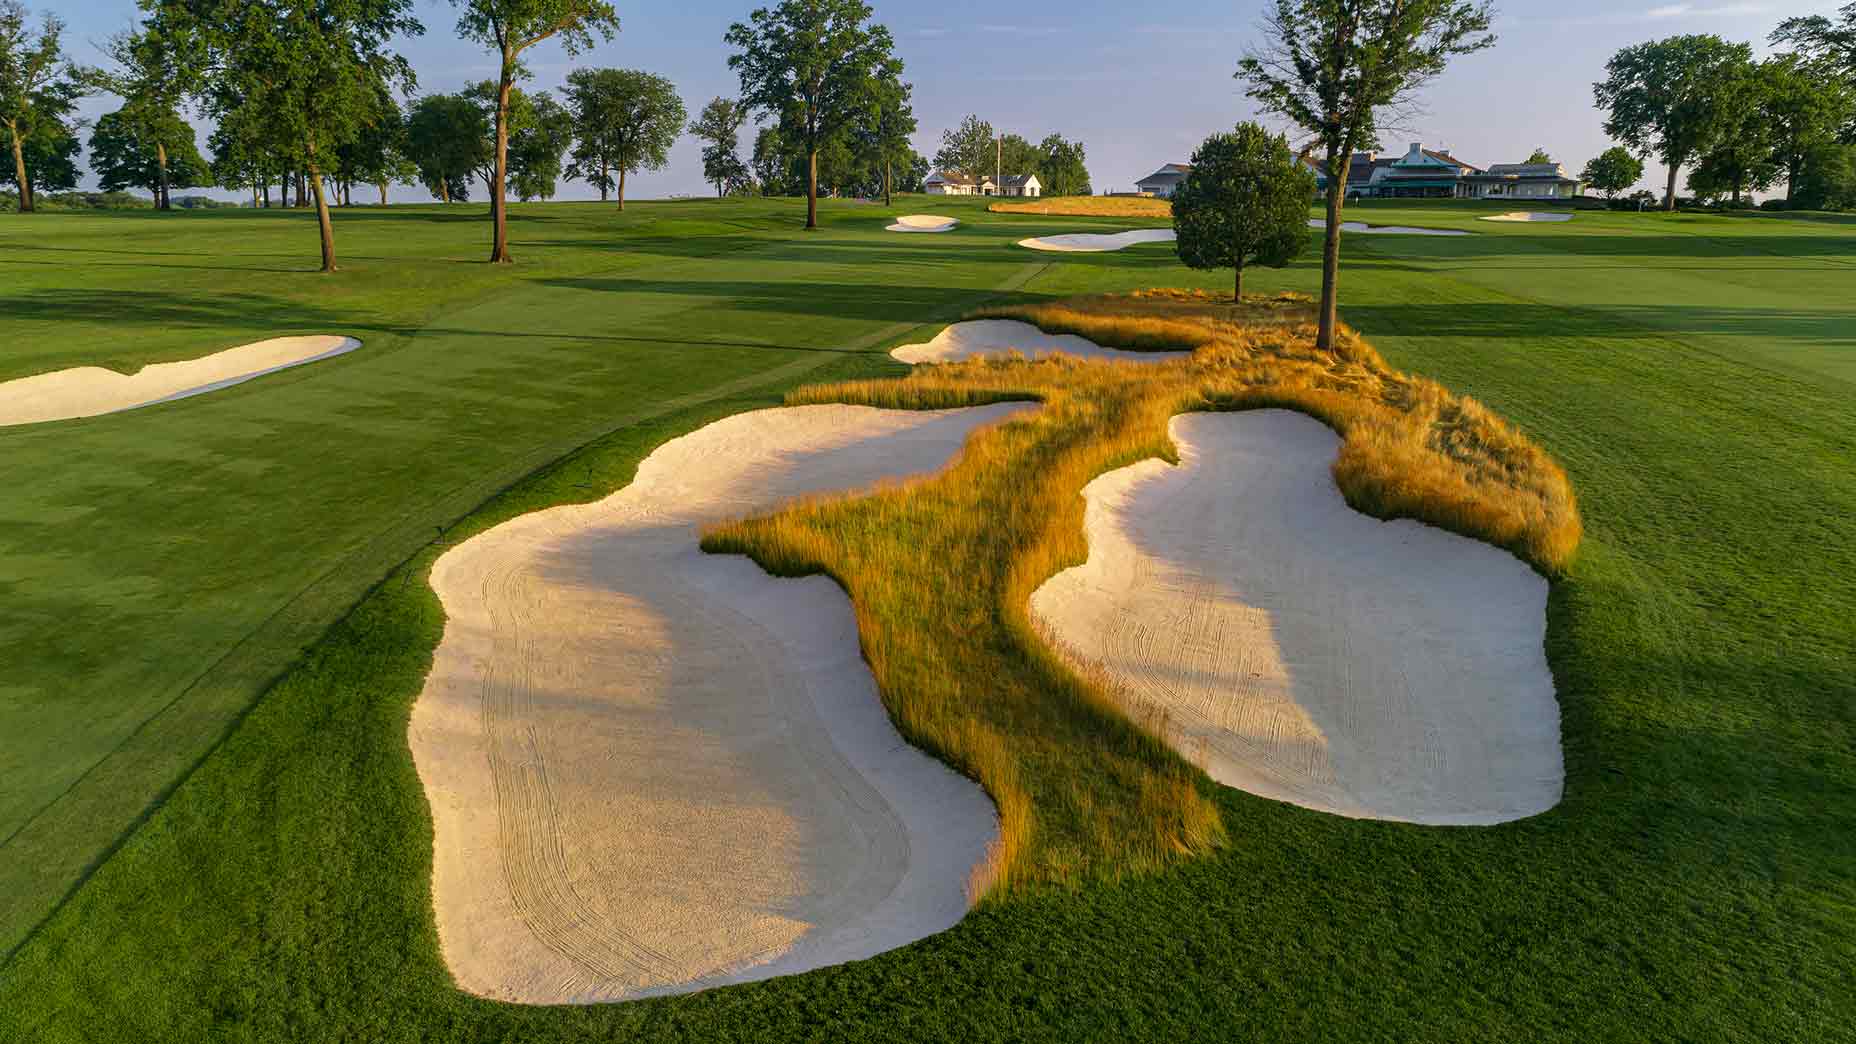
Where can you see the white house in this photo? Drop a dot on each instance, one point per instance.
(953, 183)
(1165, 181)
(1522, 181)
(1020, 185)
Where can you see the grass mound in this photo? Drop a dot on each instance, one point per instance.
(941, 570)
(1089, 206)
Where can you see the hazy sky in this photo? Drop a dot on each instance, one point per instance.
(1139, 86)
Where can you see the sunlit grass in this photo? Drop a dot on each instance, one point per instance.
(942, 569)
(1089, 206)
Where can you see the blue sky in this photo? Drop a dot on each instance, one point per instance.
(1139, 85)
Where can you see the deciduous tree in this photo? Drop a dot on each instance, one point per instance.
(37, 86)
(1332, 67)
(148, 150)
(1612, 171)
(884, 135)
(1805, 106)
(508, 28)
(1245, 201)
(968, 148)
(1667, 97)
(718, 127)
(152, 75)
(1821, 38)
(624, 120)
(1061, 167)
(1539, 155)
(813, 65)
(447, 139)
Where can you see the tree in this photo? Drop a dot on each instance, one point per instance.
(153, 151)
(1804, 107)
(624, 120)
(968, 148)
(1818, 38)
(302, 77)
(239, 161)
(912, 172)
(49, 149)
(812, 64)
(1827, 179)
(536, 152)
(37, 86)
(1061, 167)
(510, 27)
(1740, 158)
(447, 139)
(1245, 201)
(378, 155)
(1331, 67)
(884, 136)
(1667, 97)
(1539, 155)
(718, 126)
(152, 75)
(1612, 171)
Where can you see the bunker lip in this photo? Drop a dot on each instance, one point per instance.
(1097, 242)
(1528, 215)
(923, 223)
(977, 338)
(654, 770)
(88, 391)
(1304, 652)
(1389, 230)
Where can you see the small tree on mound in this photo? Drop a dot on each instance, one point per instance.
(1245, 202)
(1613, 170)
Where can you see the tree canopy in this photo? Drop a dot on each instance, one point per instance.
(1671, 97)
(49, 150)
(508, 28)
(1061, 167)
(623, 120)
(37, 87)
(883, 135)
(141, 148)
(1333, 67)
(718, 127)
(1245, 201)
(812, 65)
(538, 132)
(1821, 38)
(968, 148)
(1806, 108)
(448, 140)
(1612, 171)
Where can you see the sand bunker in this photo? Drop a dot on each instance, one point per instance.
(923, 223)
(997, 337)
(1302, 651)
(86, 391)
(1529, 215)
(1389, 230)
(653, 770)
(1090, 242)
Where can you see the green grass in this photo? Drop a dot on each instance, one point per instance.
(1698, 882)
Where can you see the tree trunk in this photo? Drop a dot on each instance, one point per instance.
(621, 188)
(886, 199)
(812, 189)
(304, 197)
(1330, 249)
(383, 193)
(254, 193)
(1669, 194)
(161, 176)
(265, 180)
(1237, 281)
(605, 177)
(323, 226)
(19, 172)
(499, 247)
(444, 191)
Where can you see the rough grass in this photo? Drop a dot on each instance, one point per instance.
(941, 570)
(1088, 206)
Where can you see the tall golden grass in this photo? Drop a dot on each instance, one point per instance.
(1088, 206)
(941, 570)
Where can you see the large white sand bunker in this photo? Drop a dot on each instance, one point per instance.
(653, 770)
(1092, 242)
(1528, 215)
(1302, 651)
(923, 223)
(86, 391)
(981, 338)
(1387, 230)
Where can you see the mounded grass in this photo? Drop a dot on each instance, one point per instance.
(1692, 374)
(941, 570)
(1088, 206)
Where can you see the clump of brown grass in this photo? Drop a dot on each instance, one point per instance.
(1088, 206)
(941, 570)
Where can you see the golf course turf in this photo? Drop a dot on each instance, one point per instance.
(211, 827)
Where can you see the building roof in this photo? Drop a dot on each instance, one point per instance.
(1525, 172)
(1016, 180)
(954, 177)
(1168, 172)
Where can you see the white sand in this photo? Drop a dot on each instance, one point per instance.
(1529, 215)
(654, 770)
(86, 391)
(1387, 230)
(923, 223)
(1090, 242)
(1302, 651)
(997, 337)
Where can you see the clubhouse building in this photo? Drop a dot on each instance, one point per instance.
(1423, 173)
(954, 183)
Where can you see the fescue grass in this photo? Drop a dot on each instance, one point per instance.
(942, 570)
(1088, 206)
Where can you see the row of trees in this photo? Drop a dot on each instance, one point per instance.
(1741, 125)
(973, 149)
